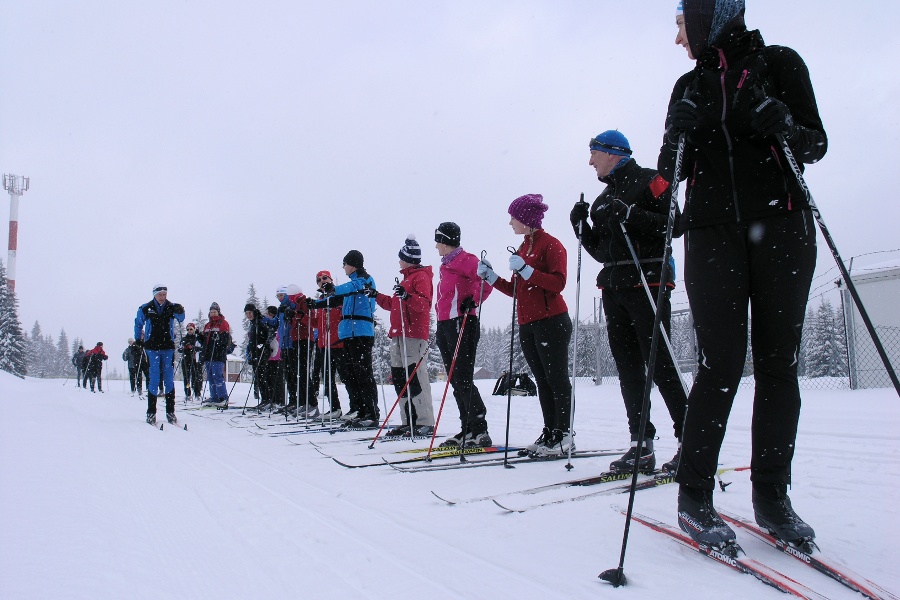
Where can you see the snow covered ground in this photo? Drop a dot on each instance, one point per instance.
(96, 504)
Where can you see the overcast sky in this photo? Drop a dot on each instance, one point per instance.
(210, 144)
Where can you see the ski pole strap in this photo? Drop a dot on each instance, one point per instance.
(618, 263)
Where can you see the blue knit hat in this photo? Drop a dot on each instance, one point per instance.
(611, 142)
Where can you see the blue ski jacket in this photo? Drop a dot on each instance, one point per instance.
(358, 309)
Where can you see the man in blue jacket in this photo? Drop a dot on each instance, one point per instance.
(154, 329)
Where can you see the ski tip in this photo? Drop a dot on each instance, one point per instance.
(506, 508)
(449, 502)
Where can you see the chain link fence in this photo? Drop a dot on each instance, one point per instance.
(828, 359)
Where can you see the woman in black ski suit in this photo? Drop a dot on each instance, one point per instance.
(749, 238)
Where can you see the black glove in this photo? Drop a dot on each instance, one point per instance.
(139, 343)
(369, 291)
(178, 309)
(288, 313)
(328, 287)
(618, 211)
(683, 117)
(401, 292)
(579, 213)
(467, 305)
(310, 303)
(771, 117)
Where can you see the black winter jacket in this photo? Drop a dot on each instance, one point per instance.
(650, 195)
(732, 173)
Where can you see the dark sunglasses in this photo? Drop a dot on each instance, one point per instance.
(323, 278)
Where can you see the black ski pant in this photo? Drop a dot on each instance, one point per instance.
(289, 372)
(296, 373)
(136, 376)
(170, 402)
(328, 373)
(271, 382)
(768, 264)
(192, 374)
(358, 376)
(629, 327)
(79, 375)
(133, 379)
(94, 375)
(472, 417)
(545, 344)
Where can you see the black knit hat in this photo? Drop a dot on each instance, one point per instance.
(411, 252)
(251, 307)
(354, 258)
(448, 233)
(215, 306)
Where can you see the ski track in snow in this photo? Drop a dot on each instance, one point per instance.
(98, 505)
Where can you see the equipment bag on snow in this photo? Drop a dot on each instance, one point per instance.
(522, 385)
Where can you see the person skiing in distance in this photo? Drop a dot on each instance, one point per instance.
(137, 365)
(545, 327)
(191, 369)
(78, 363)
(94, 370)
(410, 310)
(637, 199)
(154, 331)
(326, 317)
(217, 345)
(357, 331)
(458, 291)
(750, 239)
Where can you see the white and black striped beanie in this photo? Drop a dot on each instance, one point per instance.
(411, 252)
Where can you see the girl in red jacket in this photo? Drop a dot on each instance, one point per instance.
(410, 308)
(544, 324)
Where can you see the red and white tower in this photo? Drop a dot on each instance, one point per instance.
(16, 185)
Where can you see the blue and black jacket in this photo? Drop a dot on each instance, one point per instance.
(155, 324)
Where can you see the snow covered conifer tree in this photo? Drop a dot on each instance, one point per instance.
(62, 365)
(826, 355)
(434, 363)
(13, 344)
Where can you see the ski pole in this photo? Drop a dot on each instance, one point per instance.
(851, 287)
(462, 454)
(462, 328)
(662, 329)
(327, 375)
(512, 339)
(409, 407)
(241, 372)
(569, 465)
(255, 370)
(206, 380)
(617, 576)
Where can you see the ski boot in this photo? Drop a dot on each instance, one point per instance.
(698, 518)
(773, 511)
(646, 462)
